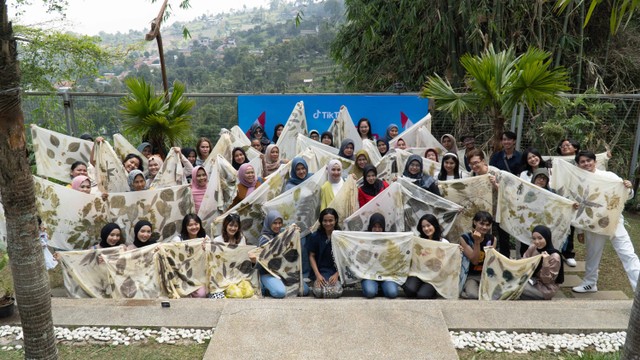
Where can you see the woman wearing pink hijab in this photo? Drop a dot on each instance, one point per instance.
(247, 182)
(81, 183)
(199, 182)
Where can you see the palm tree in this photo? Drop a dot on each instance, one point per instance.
(30, 279)
(497, 82)
(163, 124)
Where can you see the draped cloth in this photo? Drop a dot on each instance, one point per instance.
(403, 204)
(410, 135)
(171, 173)
(296, 124)
(437, 263)
(425, 139)
(133, 274)
(602, 160)
(110, 173)
(240, 139)
(503, 278)
(183, 267)
(304, 142)
(123, 147)
(380, 256)
(397, 160)
(228, 265)
(343, 128)
(317, 155)
(601, 197)
(83, 275)
(281, 258)
(523, 205)
(55, 152)
(223, 147)
(372, 150)
(221, 190)
(74, 219)
(473, 194)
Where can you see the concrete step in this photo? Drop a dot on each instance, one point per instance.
(571, 280)
(601, 295)
(579, 268)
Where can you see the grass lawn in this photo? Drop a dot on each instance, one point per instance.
(485, 355)
(150, 351)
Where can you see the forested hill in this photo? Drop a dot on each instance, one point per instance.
(249, 50)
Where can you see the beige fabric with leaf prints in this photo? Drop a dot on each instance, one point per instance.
(343, 128)
(134, 273)
(123, 147)
(229, 266)
(503, 278)
(84, 275)
(410, 135)
(110, 173)
(221, 190)
(171, 173)
(281, 258)
(600, 197)
(602, 160)
(437, 263)
(183, 267)
(296, 124)
(523, 205)
(383, 256)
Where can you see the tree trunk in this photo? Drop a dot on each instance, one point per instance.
(31, 282)
(631, 348)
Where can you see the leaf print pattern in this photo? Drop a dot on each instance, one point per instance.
(171, 173)
(84, 275)
(296, 124)
(503, 278)
(134, 273)
(410, 135)
(123, 147)
(523, 205)
(437, 263)
(221, 190)
(602, 160)
(281, 258)
(343, 128)
(110, 173)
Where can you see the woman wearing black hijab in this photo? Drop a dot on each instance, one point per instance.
(549, 274)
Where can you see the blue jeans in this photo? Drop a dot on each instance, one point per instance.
(306, 265)
(275, 287)
(370, 289)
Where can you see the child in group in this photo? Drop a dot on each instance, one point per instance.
(549, 274)
(473, 244)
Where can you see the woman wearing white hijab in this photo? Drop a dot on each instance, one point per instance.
(333, 184)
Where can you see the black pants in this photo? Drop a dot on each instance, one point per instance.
(416, 288)
(567, 248)
(504, 240)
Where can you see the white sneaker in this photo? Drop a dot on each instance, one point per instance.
(570, 262)
(585, 288)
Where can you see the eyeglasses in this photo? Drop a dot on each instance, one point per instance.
(258, 131)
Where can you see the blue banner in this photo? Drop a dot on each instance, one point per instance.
(321, 110)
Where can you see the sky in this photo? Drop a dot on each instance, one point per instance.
(92, 16)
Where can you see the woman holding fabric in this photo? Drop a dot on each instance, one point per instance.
(370, 287)
(413, 170)
(299, 173)
(191, 229)
(325, 274)
(271, 160)
(428, 228)
(199, 182)
(545, 281)
(143, 233)
(136, 181)
(203, 149)
(450, 169)
(473, 244)
(346, 149)
(231, 232)
(334, 183)
(247, 182)
(371, 185)
(238, 157)
(362, 160)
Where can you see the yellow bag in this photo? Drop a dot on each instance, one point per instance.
(241, 290)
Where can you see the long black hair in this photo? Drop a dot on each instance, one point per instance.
(437, 235)
(323, 213)
(185, 222)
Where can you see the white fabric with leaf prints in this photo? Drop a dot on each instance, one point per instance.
(437, 263)
(343, 128)
(296, 124)
(503, 278)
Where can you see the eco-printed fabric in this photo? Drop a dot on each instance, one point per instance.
(600, 196)
(183, 267)
(110, 173)
(221, 190)
(425, 139)
(56, 152)
(410, 135)
(281, 258)
(123, 147)
(134, 273)
(300, 205)
(229, 265)
(303, 142)
(296, 124)
(602, 160)
(85, 274)
(473, 194)
(372, 150)
(240, 139)
(171, 173)
(343, 128)
(403, 204)
(503, 278)
(437, 263)
(380, 256)
(523, 205)
(345, 202)
(74, 219)
(223, 147)
(317, 155)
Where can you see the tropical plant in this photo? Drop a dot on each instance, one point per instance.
(6, 286)
(147, 115)
(496, 82)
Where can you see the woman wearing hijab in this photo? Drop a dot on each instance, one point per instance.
(371, 185)
(370, 287)
(143, 233)
(299, 173)
(247, 182)
(257, 132)
(155, 164)
(327, 138)
(110, 236)
(314, 135)
(238, 157)
(383, 146)
(145, 149)
(362, 160)
(136, 181)
(346, 149)
(449, 143)
(271, 160)
(199, 182)
(413, 171)
(81, 183)
(550, 272)
(334, 183)
(392, 132)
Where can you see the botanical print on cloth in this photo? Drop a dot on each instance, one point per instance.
(402, 205)
(437, 263)
(345, 202)
(372, 150)
(228, 266)
(123, 147)
(602, 160)
(171, 173)
(281, 258)
(134, 273)
(73, 219)
(380, 256)
(55, 152)
(303, 142)
(85, 275)
(164, 208)
(223, 147)
(183, 267)
(523, 205)
(426, 140)
(601, 199)
(110, 173)
(473, 194)
(344, 128)
(410, 135)
(250, 208)
(504, 278)
(301, 204)
(317, 155)
(240, 139)
(296, 124)
(221, 190)
(387, 165)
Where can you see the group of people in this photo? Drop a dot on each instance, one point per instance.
(319, 267)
